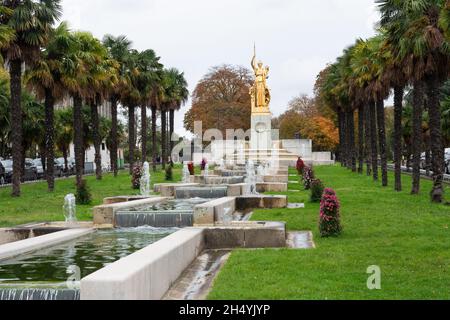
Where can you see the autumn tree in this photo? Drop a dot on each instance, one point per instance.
(304, 118)
(221, 100)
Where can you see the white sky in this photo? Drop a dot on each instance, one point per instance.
(296, 38)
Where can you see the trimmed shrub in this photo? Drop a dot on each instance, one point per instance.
(191, 168)
(317, 188)
(136, 177)
(169, 173)
(308, 177)
(83, 195)
(330, 219)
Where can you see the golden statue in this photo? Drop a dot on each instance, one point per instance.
(260, 92)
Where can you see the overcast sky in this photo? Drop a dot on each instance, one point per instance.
(296, 38)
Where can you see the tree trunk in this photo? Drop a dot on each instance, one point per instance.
(66, 162)
(114, 142)
(373, 137)
(96, 137)
(437, 148)
(16, 123)
(154, 153)
(351, 141)
(131, 137)
(398, 136)
(172, 129)
(163, 138)
(341, 138)
(361, 139)
(78, 138)
(49, 138)
(417, 141)
(344, 139)
(368, 140)
(382, 141)
(144, 132)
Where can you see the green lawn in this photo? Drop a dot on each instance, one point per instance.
(407, 236)
(36, 204)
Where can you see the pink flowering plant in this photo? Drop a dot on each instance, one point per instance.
(329, 223)
(308, 177)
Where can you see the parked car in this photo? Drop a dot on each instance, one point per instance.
(59, 168)
(2, 174)
(70, 165)
(39, 168)
(447, 161)
(8, 169)
(30, 173)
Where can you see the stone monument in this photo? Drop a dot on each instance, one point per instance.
(261, 122)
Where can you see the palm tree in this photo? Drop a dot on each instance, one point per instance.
(148, 80)
(25, 28)
(119, 48)
(181, 97)
(44, 78)
(419, 32)
(64, 133)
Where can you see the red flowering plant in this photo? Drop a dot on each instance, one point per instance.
(329, 223)
(300, 166)
(191, 168)
(308, 177)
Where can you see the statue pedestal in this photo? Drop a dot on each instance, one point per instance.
(261, 132)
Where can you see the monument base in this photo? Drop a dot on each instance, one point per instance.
(261, 132)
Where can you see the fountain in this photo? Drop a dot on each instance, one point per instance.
(206, 171)
(250, 179)
(221, 165)
(70, 208)
(186, 174)
(145, 180)
(261, 173)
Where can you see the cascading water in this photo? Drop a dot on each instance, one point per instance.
(145, 180)
(206, 171)
(221, 164)
(260, 173)
(186, 174)
(250, 180)
(69, 208)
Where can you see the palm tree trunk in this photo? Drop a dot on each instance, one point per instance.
(16, 123)
(368, 140)
(398, 136)
(154, 153)
(78, 139)
(96, 137)
(131, 136)
(361, 139)
(373, 137)
(341, 137)
(49, 138)
(163, 138)
(114, 143)
(417, 141)
(437, 148)
(382, 141)
(144, 132)
(172, 129)
(351, 141)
